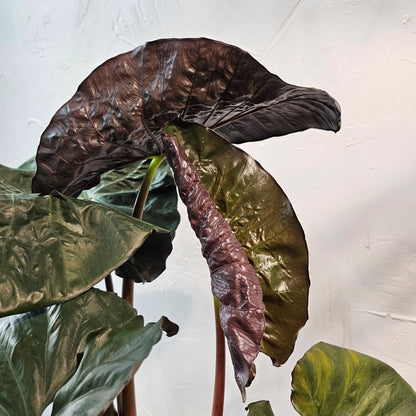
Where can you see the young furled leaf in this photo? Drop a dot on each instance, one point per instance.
(117, 114)
(234, 280)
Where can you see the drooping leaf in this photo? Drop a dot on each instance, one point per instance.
(335, 381)
(260, 408)
(117, 113)
(233, 280)
(85, 350)
(54, 248)
(263, 220)
(118, 189)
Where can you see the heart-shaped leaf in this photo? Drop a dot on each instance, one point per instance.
(84, 351)
(233, 280)
(54, 248)
(263, 220)
(331, 380)
(117, 114)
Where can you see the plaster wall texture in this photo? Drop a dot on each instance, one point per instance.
(353, 192)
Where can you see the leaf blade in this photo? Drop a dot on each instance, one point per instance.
(118, 112)
(338, 381)
(54, 248)
(263, 220)
(39, 352)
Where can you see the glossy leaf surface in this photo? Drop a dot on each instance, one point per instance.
(54, 248)
(260, 408)
(264, 222)
(118, 190)
(233, 280)
(85, 350)
(335, 381)
(117, 113)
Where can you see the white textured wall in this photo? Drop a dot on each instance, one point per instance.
(354, 192)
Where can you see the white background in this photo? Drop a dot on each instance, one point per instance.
(354, 192)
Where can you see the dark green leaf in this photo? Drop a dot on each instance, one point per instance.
(85, 350)
(118, 190)
(54, 248)
(117, 114)
(260, 408)
(264, 222)
(335, 381)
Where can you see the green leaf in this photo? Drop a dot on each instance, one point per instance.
(118, 190)
(260, 408)
(29, 165)
(84, 351)
(264, 222)
(334, 381)
(54, 248)
(15, 180)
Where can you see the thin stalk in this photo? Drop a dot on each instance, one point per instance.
(127, 401)
(109, 283)
(219, 386)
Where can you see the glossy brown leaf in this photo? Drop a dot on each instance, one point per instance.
(233, 280)
(117, 113)
(264, 222)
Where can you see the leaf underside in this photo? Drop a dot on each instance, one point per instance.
(117, 113)
(335, 381)
(233, 280)
(262, 219)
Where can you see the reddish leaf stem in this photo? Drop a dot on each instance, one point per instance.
(219, 386)
(127, 401)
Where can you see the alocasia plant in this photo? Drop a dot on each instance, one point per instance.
(188, 99)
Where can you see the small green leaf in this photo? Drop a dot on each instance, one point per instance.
(55, 248)
(263, 220)
(84, 351)
(260, 408)
(334, 381)
(29, 165)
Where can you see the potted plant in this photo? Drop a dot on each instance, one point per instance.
(103, 199)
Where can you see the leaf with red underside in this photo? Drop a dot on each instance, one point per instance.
(117, 113)
(263, 220)
(234, 281)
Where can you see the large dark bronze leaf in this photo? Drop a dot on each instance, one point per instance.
(263, 220)
(117, 113)
(233, 280)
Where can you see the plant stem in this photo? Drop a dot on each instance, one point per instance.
(219, 386)
(109, 283)
(144, 189)
(127, 400)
